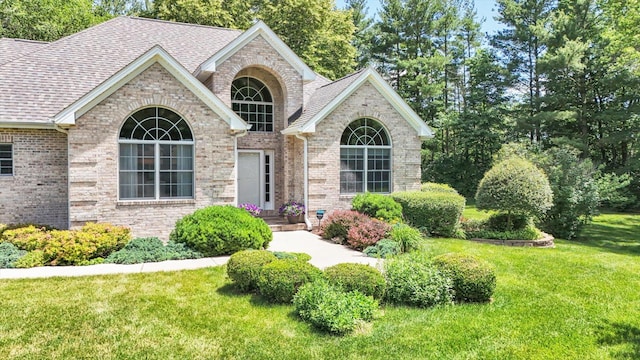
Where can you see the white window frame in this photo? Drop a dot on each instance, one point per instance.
(257, 103)
(156, 159)
(13, 161)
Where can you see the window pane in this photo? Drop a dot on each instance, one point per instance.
(6, 159)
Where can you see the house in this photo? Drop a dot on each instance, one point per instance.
(139, 122)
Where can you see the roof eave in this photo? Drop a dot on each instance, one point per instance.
(259, 28)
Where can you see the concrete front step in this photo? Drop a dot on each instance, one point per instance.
(278, 223)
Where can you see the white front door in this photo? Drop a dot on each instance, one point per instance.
(255, 174)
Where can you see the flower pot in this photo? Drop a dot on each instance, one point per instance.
(294, 219)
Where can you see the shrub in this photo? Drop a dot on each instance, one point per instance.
(29, 237)
(351, 277)
(107, 238)
(474, 279)
(292, 255)
(336, 226)
(244, 267)
(383, 249)
(221, 230)
(280, 279)
(329, 309)
(413, 280)
(437, 211)
(9, 253)
(378, 206)
(530, 232)
(367, 233)
(515, 186)
(407, 237)
(500, 222)
(435, 187)
(141, 250)
(31, 259)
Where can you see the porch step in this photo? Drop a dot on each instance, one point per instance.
(278, 223)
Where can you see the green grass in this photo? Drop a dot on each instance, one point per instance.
(580, 300)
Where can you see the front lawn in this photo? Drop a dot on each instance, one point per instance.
(580, 300)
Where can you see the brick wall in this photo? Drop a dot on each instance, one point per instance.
(324, 148)
(93, 157)
(37, 191)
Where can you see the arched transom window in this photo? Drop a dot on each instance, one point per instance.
(156, 156)
(365, 158)
(252, 101)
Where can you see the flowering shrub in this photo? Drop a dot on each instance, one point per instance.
(336, 226)
(367, 233)
(253, 209)
(292, 208)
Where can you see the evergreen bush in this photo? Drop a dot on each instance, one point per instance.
(244, 267)
(413, 280)
(383, 249)
(279, 280)
(351, 277)
(9, 254)
(221, 230)
(439, 212)
(378, 206)
(142, 250)
(474, 280)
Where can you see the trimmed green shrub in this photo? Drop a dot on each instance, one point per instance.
(436, 187)
(383, 249)
(351, 277)
(413, 280)
(31, 259)
(280, 279)
(367, 233)
(336, 226)
(9, 254)
(329, 309)
(292, 255)
(141, 250)
(439, 212)
(407, 237)
(474, 279)
(221, 230)
(500, 222)
(244, 267)
(530, 232)
(378, 206)
(515, 186)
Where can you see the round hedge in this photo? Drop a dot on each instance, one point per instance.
(474, 279)
(364, 278)
(414, 280)
(221, 230)
(279, 280)
(244, 267)
(515, 186)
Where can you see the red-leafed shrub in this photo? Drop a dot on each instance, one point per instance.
(336, 226)
(367, 233)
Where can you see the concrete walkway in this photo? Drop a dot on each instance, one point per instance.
(323, 254)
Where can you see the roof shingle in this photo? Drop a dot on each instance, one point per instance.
(11, 49)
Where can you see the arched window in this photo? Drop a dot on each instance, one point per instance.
(156, 156)
(252, 101)
(365, 158)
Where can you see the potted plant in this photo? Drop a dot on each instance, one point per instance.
(293, 211)
(253, 209)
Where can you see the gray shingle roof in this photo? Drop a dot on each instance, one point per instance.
(34, 88)
(323, 96)
(11, 49)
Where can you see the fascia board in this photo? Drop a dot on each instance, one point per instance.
(260, 28)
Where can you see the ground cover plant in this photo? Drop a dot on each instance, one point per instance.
(141, 250)
(579, 300)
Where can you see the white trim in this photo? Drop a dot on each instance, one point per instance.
(158, 55)
(372, 76)
(27, 125)
(13, 160)
(258, 29)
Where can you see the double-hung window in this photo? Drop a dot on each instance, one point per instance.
(156, 156)
(365, 158)
(6, 159)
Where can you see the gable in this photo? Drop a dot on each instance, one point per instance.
(329, 97)
(155, 55)
(259, 29)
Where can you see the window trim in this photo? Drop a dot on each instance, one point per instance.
(257, 103)
(365, 170)
(12, 159)
(156, 159)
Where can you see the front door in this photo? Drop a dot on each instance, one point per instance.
(254, 178)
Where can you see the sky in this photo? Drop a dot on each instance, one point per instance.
(485, 9)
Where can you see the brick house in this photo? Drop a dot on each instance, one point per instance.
(138, 122)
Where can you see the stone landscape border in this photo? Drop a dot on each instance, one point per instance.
(545, 242)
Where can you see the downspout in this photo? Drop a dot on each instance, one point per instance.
(57, 127)
(306, 181)
(235, 154)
